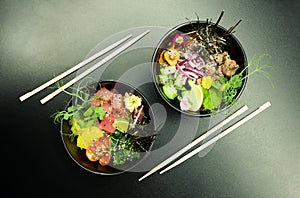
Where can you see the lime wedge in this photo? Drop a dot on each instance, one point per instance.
(122, 124)
(195, 96)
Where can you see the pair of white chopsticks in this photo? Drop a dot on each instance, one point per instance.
(81, 64)
(204, 136)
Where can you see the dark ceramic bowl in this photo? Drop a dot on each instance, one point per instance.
(233, 47)
(79, 156)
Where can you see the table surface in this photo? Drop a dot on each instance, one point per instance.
(41, 39)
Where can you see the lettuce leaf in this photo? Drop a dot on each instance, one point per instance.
(212, 98)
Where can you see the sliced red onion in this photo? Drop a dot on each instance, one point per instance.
(199, 73)
(182, 62)
(185, 73)
(191, 73)
(192, 64)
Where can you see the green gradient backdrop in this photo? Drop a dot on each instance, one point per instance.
(39, 39)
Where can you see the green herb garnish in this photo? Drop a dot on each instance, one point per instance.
(235, 82)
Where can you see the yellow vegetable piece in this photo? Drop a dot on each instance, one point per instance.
(206, 82)
(75, 127)
(161, 59)
(88, 135)
(80, 143)
(172, 56)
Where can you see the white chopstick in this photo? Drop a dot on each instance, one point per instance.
(196, 141)
(74, 68)
(219, 136)
(94, 67)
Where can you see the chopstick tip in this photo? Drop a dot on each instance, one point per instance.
(146, 32)
(24, 97)
(44, 100)
(163, 171)
(21, 98)
(266, 105)
(140, 179)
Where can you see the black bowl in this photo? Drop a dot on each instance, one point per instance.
(78, 154)
(233, 47)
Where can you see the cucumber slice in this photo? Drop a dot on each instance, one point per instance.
(170, 91)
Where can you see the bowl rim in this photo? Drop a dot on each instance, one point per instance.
(118, 171)
(153, 62)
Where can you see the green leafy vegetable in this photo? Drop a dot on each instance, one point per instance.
(212, 98)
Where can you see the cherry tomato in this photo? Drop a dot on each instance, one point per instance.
(91, 156)
(106, 157)
(104, 160)
(98, 151)
(106, 141)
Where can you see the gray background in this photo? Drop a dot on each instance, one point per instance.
(40, 39)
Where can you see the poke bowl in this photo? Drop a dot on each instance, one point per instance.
(107, 127)
(199, 68)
